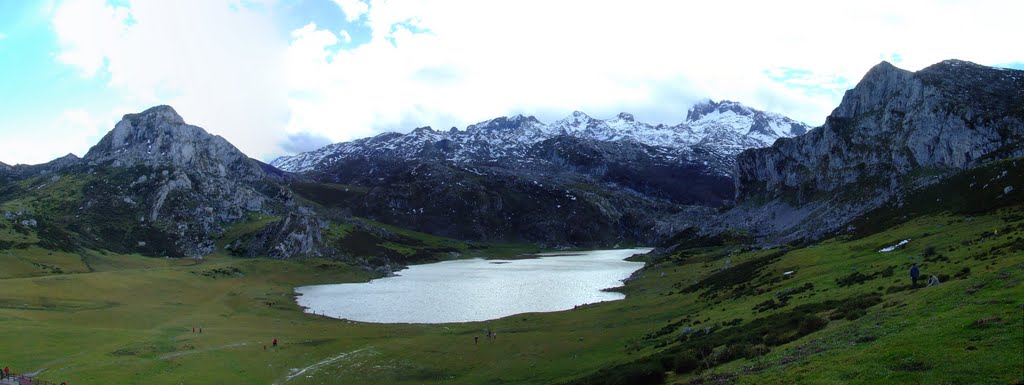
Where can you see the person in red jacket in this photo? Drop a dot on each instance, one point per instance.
(275, 342)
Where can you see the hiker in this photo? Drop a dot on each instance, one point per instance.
(914, 273)
(476, 340)
(933, 280)
(7, 372)
(193, 329)
(274, 343)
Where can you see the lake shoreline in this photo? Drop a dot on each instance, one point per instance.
(477, 289)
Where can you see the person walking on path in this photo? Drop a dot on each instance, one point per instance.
(914, 273)
(274, 343)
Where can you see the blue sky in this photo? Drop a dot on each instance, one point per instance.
(276, 77)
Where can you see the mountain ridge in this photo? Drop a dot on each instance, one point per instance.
(895, 131)
(510, 136)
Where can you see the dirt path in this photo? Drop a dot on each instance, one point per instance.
(311, 368)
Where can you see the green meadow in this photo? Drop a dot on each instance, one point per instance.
(721, 313)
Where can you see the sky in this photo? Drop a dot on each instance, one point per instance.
(281, 77)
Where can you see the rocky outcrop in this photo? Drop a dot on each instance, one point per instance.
(159, 136)
(190, 183)
(895, 130)
(298, 234)
(53, 166)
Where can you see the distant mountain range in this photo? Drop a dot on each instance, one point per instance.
(576, 181)
(156, 185)
(720, 128)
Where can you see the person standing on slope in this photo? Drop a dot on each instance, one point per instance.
(914, 273)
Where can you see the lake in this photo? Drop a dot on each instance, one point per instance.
(476, 289)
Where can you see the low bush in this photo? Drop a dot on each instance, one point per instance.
(686, 362)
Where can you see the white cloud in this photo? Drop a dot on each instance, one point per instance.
(477, 59)
(451, 63)
(74, 130)
(219, 63)
(353, 9)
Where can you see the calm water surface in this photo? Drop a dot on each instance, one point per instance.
(476, 289)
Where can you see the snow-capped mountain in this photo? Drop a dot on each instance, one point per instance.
(721, 128)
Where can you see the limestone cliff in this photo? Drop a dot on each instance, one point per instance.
(895, 130)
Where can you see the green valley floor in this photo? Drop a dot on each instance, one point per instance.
(723, 314)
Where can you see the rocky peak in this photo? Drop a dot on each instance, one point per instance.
(984, 88)
(944, 118)
(701, 109)
(64, 161)
(577, 120)
(504, 123)
(159, 136)
(164, 112)
(624, 116)
(878, 84)
(709, 107)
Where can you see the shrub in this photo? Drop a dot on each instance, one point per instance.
(686, 362)
(929, 251)
(642, 373)
(855, 314)
(855, 278)
(963, 273)
(811, 324)
(733, 352)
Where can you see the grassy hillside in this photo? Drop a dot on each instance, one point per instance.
(846, 315)
(711, 311)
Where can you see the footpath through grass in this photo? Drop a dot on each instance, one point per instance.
(722, 314)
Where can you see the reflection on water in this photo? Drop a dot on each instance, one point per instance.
(476, 289)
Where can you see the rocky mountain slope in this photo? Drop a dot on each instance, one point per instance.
(153, 185)
(157, 186)
(578, 181)
(724, 129)
(894, 132)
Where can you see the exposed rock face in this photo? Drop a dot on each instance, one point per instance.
(159, 136)
(24, 170)
(577, 181)
(157, 185)
(564, 191)
(298, 234)
(889, 133)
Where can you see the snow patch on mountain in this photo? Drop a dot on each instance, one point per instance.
(719, 129)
